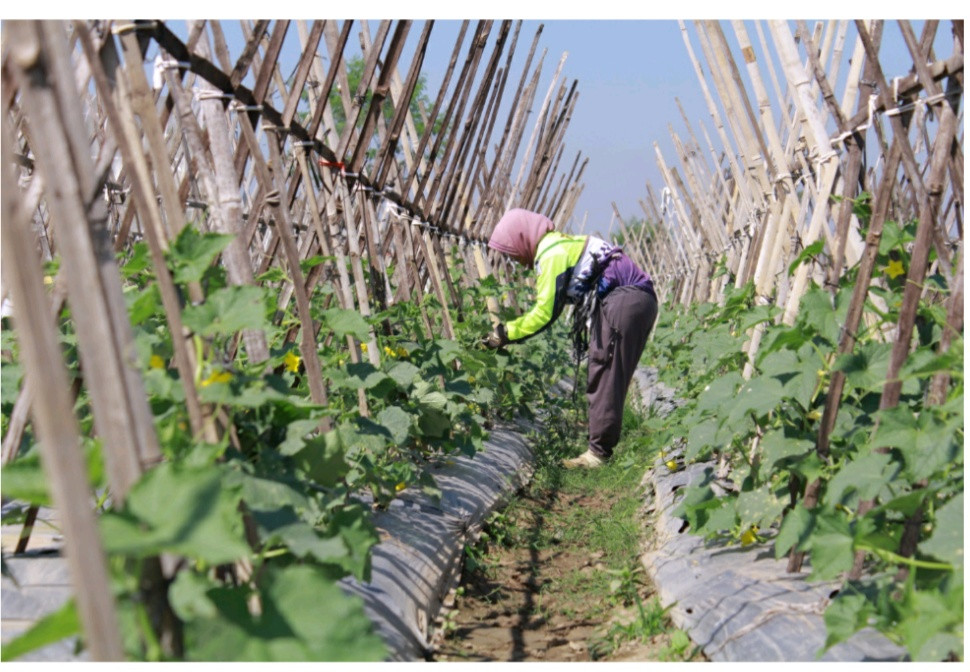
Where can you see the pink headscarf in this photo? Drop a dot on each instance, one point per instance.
(518, 234)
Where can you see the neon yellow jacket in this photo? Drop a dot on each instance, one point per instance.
(557, 255)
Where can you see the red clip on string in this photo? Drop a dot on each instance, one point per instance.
(339, 165)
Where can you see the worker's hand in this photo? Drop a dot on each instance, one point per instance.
(497, 338)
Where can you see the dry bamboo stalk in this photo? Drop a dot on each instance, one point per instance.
(121, 412)
(431, 205)
(53, 417)
(465, 148)
(737, 105)
(535, 130)
(379, 94)
(429, 126)
(716, 117)
(302, 71)
(141, 186)
(235, 257)
(402, 120)
(353, 113)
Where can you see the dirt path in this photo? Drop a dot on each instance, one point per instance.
(540, 592)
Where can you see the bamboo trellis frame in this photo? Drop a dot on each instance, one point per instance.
(821, 147)
(233, 144)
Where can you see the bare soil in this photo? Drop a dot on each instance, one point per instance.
(541, 597)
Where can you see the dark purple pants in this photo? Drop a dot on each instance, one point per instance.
(618, 333)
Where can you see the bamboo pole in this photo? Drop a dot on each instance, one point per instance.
(53, 417)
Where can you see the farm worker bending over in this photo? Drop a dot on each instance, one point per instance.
(607, 289)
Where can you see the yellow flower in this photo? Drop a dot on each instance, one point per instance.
(156, 362)
(48, 280)
(363, 347)
(671, 464)
(749, 537)
(217, 377)
(471, 379)
(292, 361)
(402, 352)
(388, 351)
(894, 269)
(400, 486)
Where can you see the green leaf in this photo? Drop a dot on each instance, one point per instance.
(397, 422)
(817, 312)
(777, 448)
(144, 305)
(228, 310)
(284, 526)
(866, 368)
(24, 479)
(718, 392)
(266, 493)
(192, 252)
(140, 260)
(297, 433)
(759, 507)
(701, 438)
(757, 315)
(404, 374)
(848, 613)
(323, 458)
(862, 478)
(946, 542)
(346, 322)
(758, 396)
(179, 510)
(809, 252)
(305, 617)
(354, 526)
(795, 530)
(831, 543)
(52, 628)
(188, 596)
(932, 623)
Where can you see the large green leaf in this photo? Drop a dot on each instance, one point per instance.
(284, 526)
(932, 623)
(757, 397)
(866, 368)
(795, 530)
(862, 478)
(404, 374)
(346, 322)
(759, 507)
(192, 252)
(946, 541)
(701, 438)
(323, 457)
(831, 544)
(777, 448)
(227, 311)
(53, 627)
(397, 422)
(24, 479)
(817, 312)
(305, 617)
(179, 510)
(718, 392)
(848, 613)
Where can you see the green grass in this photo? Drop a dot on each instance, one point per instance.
(606, 526)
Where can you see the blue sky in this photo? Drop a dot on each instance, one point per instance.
(629, 73)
